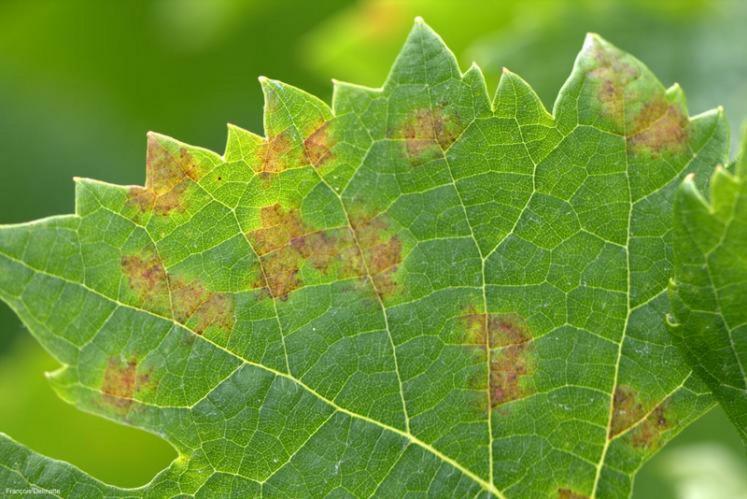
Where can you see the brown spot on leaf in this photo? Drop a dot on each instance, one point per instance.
(507, 368)
(278, 228)
(566, 493)
(473, 325)
(192, 302)
(318, 146)
(275, 152)
(493, 330)
(121, 381)
(382, 252)
(507, 329)
(648, 432)
(613, 76)
(626, 410)
(659, 127)
(284, 243)
(427, 132)
(281, 269)
(169, 175)
(325, 249)
(510, 357)
(147, 277)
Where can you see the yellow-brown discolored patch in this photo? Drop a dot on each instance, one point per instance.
(284, 242)
(189, 299)
(427, 132)
(493, 330)
(508, 339)
(659, 127)
(277, 228)
(192, 302)
(627, 410)
(612, 76)
(648, 433)
(473, 325)
(275, 153)
(566, 493)
(507, 329)
(507, 368)
(147, 277)
(381, 250)
(169, 175)
(318, 146)
(121, 381)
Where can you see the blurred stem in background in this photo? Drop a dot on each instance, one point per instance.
(81, 82)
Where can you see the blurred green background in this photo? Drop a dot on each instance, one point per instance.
(82, 81)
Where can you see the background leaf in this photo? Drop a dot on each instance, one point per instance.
(708, 287)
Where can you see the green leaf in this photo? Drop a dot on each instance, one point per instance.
(710, 282)
(417, 291)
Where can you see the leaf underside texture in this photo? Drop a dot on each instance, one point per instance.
(419, 290)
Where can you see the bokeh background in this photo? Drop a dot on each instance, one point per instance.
(81, 81)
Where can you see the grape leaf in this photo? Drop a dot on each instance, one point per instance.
(710, 282)
(417, 291)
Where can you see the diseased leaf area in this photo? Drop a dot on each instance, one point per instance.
(710, 284)
(417, 291)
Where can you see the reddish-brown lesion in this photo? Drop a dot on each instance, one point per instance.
(429, 131)
(318, 145)
(382, 251)
(493, 330)
(613, 77)
(509, 342)
(647, 434)
(566, 493)
(193, 302)
(473, 327)
(169, 174)
(507, 330)
(186, 299)
(121, 382)
(511, 357)
(507, 369)
(284, 242)
(275, 153)
(660, 127)
(630, 415)
(147, 278)
(278, 227)
(627, 410)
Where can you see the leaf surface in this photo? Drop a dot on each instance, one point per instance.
(709, 285)
(420, 290)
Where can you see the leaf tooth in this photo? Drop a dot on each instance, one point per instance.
(240, 144)
(424, 59)
(514, 97)
(288, 107)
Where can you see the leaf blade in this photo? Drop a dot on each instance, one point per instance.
(417, 266)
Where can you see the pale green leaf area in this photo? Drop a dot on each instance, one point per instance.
(420, 291)
(710, 284)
